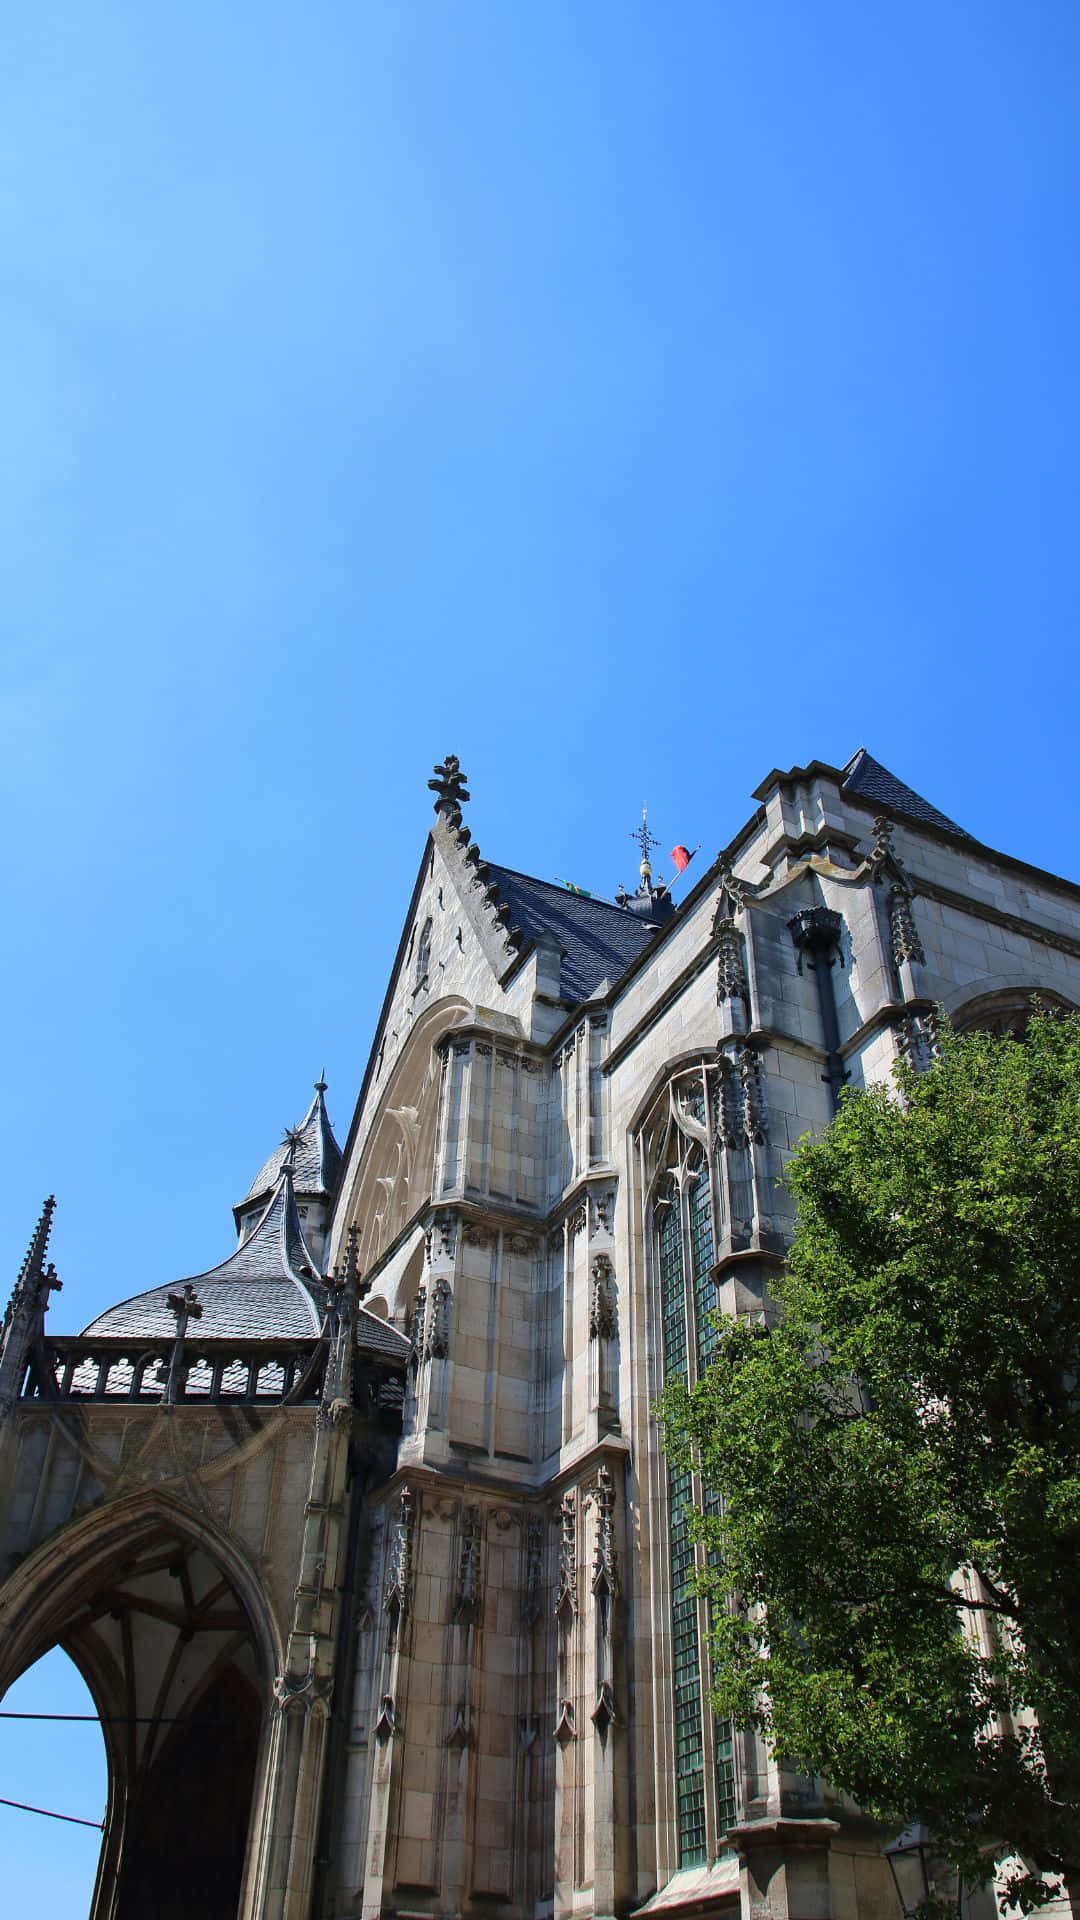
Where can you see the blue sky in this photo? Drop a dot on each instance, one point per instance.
(629, 398)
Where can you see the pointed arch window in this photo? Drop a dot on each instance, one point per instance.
(683, 1201)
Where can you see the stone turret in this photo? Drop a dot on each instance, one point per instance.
(315, 1160)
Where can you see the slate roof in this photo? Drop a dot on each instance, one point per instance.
(866, 777)
(598, 939)
(378, 1336)
(316, 1160)
(260, 1292)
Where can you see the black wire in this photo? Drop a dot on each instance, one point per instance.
(73, 1819)
(119, 1719)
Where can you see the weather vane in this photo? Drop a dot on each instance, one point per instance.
(645, 840)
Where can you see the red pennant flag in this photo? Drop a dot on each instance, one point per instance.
(682, 858)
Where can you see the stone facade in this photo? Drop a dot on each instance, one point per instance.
(447, 1548)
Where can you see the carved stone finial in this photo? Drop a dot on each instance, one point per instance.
(903, 933)
(883, 830)
(730, 961)
(449, 785)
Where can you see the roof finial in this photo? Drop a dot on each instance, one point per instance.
(321, 1082)
(645, 840)
(449, 785)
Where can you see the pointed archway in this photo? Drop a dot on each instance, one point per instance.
(174, 1647)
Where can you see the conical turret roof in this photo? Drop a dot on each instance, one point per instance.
(315, 1156)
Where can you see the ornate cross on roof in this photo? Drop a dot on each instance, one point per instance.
(645, 840)
(185, 1306)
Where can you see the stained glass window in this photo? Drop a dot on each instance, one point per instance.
(687, 1298)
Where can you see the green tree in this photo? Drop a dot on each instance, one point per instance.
(896, 1563)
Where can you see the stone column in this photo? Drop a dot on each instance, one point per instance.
(784, 1869)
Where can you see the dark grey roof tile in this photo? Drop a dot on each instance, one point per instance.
(866, 777)
(598, 939)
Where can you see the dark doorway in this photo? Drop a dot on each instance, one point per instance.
(189, 1827)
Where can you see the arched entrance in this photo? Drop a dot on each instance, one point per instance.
(178, 1663)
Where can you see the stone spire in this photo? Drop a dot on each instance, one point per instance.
(24, 1318)
(313, 1157)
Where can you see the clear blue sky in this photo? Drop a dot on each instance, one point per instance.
(627, 397)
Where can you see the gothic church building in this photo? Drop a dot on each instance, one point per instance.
(364, 1540)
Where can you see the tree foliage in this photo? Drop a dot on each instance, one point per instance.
(896, 1563)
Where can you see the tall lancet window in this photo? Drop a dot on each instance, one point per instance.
(683, 1198)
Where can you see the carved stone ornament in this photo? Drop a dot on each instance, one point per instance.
(465, 1602)
(903, 933)
(460, 1734)
(578, 1220)
(419, 1318)
(603, 1714)
(730, 963)
(602, 1318)
(816, 932)
(566, 1599)
(521, 1243)
(386, 1724)
(449, 787)
(753, 1095)
(307, 1692)
(730, 1124)
(605, 1573)
(534, 1569)
(338, 1416)
(399, 1562)
(603, 1201)
(441, 1238)
(565, 1728)
(437, 1321)
(475, 1236)
(918, 1038)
